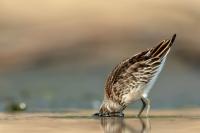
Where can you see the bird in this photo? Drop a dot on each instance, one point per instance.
(132, 79)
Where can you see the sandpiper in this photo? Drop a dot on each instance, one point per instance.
(133, 78)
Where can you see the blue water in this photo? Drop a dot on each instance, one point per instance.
(62, 89)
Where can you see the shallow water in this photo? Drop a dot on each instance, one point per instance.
(80, 123)
(55, 90)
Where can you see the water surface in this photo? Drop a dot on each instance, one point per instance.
(79, 123)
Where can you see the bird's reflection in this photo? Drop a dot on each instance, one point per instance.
(118, 125)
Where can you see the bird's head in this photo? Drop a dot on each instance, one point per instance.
(103, 109)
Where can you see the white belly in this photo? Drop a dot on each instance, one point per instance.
(148, 86)
(133, 95)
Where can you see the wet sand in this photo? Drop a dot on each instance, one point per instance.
(165, 121)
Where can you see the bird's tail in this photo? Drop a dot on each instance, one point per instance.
(162, 48)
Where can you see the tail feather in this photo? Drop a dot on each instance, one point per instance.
(173, 39)
(163, 48)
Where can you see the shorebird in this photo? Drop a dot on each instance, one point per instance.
(133, 78)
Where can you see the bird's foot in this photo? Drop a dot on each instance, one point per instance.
(139, 116)
(143, 116)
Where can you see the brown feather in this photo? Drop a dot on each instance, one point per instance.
(137, 70)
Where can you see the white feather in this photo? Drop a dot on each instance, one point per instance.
(149, 86)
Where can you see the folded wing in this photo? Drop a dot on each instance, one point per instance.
(137, 70)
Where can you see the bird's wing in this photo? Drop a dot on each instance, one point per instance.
(137, 70)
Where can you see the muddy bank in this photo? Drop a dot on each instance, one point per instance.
(74, 122)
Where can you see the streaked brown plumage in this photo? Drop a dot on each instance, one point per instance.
(132, 79)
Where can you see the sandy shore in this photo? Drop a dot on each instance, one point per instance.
(164, 121)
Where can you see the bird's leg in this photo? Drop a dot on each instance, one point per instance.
(143, 107)
(148, 107)
(145, 102)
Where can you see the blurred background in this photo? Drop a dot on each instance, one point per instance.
(55, 55)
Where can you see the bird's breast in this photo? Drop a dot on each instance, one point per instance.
(133, 95)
